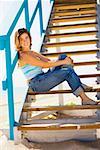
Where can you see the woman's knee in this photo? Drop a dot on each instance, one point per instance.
(62, 56)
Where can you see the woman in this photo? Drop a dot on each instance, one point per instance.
(32, 63)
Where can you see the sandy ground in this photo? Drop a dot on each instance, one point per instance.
(6, 144)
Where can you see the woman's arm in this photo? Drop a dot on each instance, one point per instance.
(40, 56)
(27, 58)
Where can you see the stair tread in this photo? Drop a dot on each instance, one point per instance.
(70, 43)
(74, 26)
(73, 16)
(61, 2)
(89, 75)
(52, 108)
(63, 91)
(60, 127)
(78, 52)
(69, 18)
(77, 6)
(62, 35)
(80, 18)
(73, 13)
(63, 118)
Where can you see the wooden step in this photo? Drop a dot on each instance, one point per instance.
(71, 17)
(86, 63)
(73, 13)
(75, 26)
(74, 6)
(63, 2)
(89, 75)
(79, 18)
(62, 119)
(67, 35)
(78, 52)
(61, 91)
(58, 108)
(72, 43)
(59, 127)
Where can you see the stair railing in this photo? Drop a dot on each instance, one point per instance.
(6, 45)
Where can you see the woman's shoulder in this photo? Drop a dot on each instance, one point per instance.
(22, 57)
(22, 53)
(21, 62)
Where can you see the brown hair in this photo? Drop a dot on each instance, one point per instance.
(17, 36)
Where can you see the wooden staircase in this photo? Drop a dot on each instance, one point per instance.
(49, 123)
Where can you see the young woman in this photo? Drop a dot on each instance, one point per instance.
(32, 63)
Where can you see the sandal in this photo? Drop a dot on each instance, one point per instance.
(86, 87)
(90, 103)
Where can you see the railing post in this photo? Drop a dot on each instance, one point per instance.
(51, 1)
(10, 87)
(2, 42)
(41, 17)
(27, 15)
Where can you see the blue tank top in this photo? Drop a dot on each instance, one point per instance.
(31, 71)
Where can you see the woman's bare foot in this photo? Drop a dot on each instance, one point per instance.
(86, 100)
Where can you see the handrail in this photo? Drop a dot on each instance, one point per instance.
(5, 44)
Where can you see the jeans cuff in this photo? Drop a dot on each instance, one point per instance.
(78, 90)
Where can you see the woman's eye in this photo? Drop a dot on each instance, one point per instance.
(26, 37)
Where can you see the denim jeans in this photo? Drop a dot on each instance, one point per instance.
(53, 77)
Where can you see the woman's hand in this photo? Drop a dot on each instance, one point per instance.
(68, 61)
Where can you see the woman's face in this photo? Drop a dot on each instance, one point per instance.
(24, 41)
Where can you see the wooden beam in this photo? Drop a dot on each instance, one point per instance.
(79, 18)
(63, 120)
(74, 13)
(72, 43)
(78, 52)
(59, 127)
(59, 108)
(62, 7)
(86, 63)
(89, 75)
(60, 2)
(62, 91)
(67, 35)
(75, 26)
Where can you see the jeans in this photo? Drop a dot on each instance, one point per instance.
(46, 81)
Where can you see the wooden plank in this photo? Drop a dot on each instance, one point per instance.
(62, 7)
(78, 52)
(79, 18)
(74, 13)
(59, 127)
(65, 119)
(86, 63)
(61, 2)
(62, 91)
(89, 75)
(75, 26)
(72, 43)
(67, 35)
(59, 108)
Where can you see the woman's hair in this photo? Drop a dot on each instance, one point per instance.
(17, 36)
